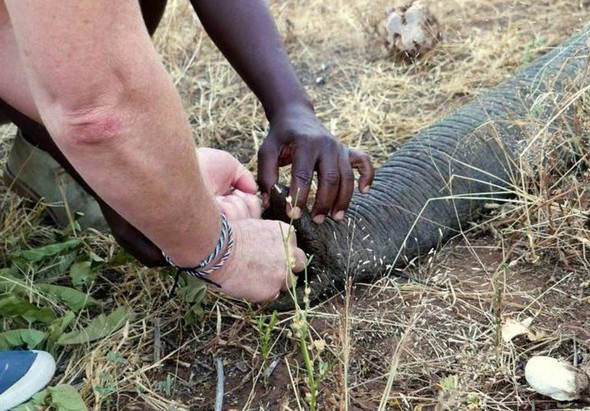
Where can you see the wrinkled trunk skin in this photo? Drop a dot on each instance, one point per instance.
(439, 181)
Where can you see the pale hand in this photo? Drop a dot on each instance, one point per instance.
(232, 184)
(261, 263)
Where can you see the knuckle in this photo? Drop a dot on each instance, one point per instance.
(329, 143)
(266, 149)
(230, 214)
(348, 175)
(331, 178)
(303, 176)
(359, 156)
(269, 296)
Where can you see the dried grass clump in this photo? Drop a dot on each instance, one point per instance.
(550, 219)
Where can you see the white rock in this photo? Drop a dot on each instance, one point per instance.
(556, 379)
(411, 30)
(513, 328)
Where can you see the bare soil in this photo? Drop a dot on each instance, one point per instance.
(455, 310)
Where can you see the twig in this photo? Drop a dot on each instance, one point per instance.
(157, 340)
(395, 360)
(576, 361)
(219, 390)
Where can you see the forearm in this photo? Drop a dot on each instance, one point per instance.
(145, 168)
(120, 122)
(245, 33)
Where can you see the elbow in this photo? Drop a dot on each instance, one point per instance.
(96, 113)
(88, 126)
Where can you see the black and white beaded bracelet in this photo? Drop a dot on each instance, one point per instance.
(213, 261)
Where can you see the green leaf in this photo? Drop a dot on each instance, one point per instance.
(193, 290)
(10, 284)
(57, 328)
(114, 357)
(122, 257)
(62, 265)
(99, 327)
(82, 273)
(66, 398)
(34, 403)
(14, 306)
(38, 254)
(17, 338)
(96, 258)
(29, 406)
(74, 299)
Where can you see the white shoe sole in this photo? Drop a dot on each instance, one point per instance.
(36, 378)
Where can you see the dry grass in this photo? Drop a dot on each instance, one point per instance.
(427, 345)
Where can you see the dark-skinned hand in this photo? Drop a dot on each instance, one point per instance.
(297, 137)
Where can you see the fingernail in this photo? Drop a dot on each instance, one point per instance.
(294, 212)
(338, 216)
(319, 219)
(366, 189)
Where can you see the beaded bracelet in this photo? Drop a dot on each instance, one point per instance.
(212, 262)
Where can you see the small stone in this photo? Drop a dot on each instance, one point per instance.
(557, 379)
(320, 81)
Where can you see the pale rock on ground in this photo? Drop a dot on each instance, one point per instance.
(556, 379)
(411, 30)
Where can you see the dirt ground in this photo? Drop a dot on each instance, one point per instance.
(428, 341)
(450, 330)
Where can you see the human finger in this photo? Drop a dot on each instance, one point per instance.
(268, 171)
(297, 257)
(244, 180)
(346, 186)
(362, 162)
(297, 262)
(301, 177)
(328, 184)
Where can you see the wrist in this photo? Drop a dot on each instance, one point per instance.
(215, 260)
(291, 108)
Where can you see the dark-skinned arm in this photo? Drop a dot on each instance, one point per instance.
(244, 31)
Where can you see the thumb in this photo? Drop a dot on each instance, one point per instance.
(299, 261)
(244, 180)
(298, 264)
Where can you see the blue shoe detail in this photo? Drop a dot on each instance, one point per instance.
(23, 374)
(13, 366)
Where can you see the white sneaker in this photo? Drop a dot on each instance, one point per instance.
(22, 375)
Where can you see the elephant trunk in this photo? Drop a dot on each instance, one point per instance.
(440, 180)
